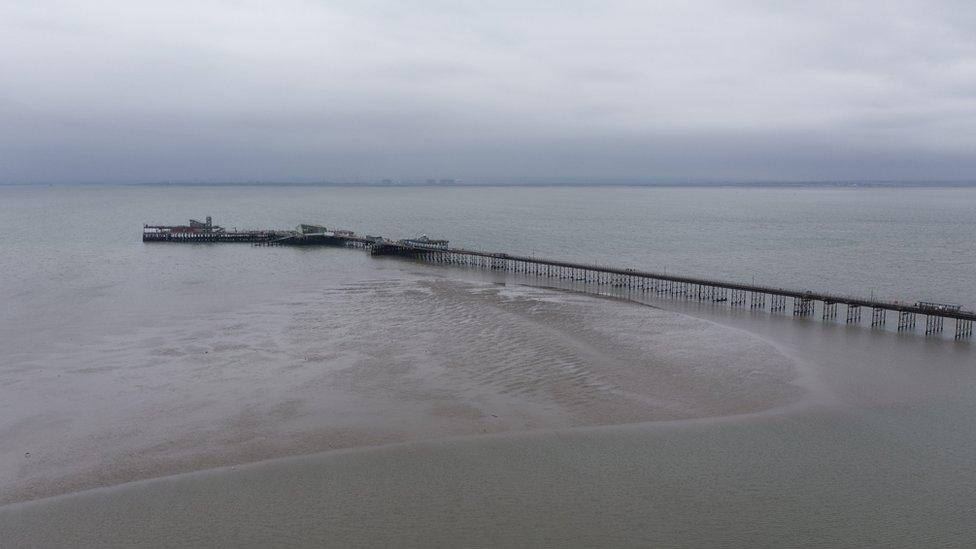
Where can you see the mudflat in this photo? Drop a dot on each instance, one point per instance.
(360, 364)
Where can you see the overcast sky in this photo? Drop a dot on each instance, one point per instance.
(295, 90)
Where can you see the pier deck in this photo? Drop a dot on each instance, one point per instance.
(946, 311)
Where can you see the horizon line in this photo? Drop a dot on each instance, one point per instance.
(529, 182)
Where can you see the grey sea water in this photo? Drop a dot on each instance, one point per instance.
(124, 361)
(899, 243)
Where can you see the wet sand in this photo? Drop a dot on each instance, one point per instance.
(858, 440)
(397, 359)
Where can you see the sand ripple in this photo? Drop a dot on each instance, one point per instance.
(390, 359)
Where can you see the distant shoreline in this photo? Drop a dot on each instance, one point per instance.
(780, 184)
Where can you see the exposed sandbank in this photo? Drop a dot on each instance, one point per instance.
(371, 363)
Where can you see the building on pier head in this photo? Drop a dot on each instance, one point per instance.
(423, 242)
(194, 227)
(308, 228)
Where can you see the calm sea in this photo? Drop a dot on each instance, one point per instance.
(914, 243)
(885, 457)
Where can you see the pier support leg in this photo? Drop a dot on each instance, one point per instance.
(802, 306)
(906, 320)
(853, 314)
(933, 324)
(757, 300)
(829, 310)
(878, 316)
(738, 298)
(964, 328)
(719, 295)
(777, 303)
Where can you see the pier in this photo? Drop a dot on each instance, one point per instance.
(804, 303)
(206, 232)
(777, 301)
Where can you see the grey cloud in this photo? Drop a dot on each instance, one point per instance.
(299, 90)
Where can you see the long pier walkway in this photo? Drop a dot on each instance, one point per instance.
(802, 303)
(776, 300)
